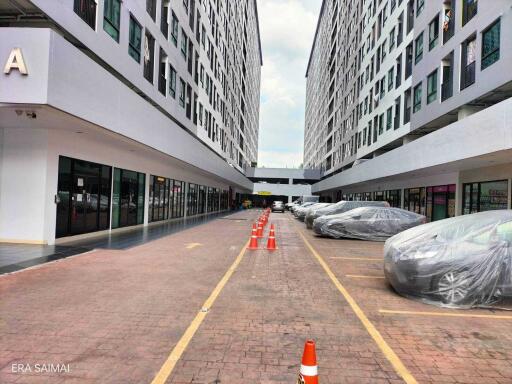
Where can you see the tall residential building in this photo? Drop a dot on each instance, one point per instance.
(409, 101)
(120, 113)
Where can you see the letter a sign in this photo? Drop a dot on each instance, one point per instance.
(15, 61)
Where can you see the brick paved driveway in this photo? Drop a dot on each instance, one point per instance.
(114, 316)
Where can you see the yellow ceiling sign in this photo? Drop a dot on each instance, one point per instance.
(264, 193)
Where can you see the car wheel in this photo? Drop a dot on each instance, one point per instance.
(454, 287)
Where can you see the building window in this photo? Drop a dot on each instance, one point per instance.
(162, 78)
(172, 81)
(135, 39)
(182, 92)
(151, 8)
(174, 29)
(486, 196)
(491, 45)
(432, 87)
(392, 39)
(468, 63)
(418, 48)
(149, 56)
(469, 10)
(389, 118)
(391, 74)
(184, 44)
(433, 33)
(420, 5)
(111, 17)
(86, 9)
(417, 98)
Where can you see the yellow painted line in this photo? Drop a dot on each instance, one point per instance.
(193, 245)
(355, 258)
(365, 277)
(445, 314)
(392, 357)
(170, 363)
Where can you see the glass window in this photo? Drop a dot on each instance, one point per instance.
(128, 198)
(485, 196)
(420, 5)
(151, 8)
(433, 33)
(417, 98)
(182, 92)
(391, 74)
(135, 39)
(184, 43)
(174, 29)
(111, 16)
(149, 56)
(491, 45)
(469, 10)
(86, 9)
(172, 81)
(418, 46)
(432, 87)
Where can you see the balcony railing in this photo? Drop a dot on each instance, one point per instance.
(468, 75)
(86, 9)
(446, 90)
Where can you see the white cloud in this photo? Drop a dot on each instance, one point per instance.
(287, 30)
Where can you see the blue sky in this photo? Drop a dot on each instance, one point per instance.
(287, 29)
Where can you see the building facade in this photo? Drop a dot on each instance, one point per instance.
(408, 100)
(122, 113)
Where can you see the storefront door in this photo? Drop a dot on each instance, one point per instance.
(83, 197)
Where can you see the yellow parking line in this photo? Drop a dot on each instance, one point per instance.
(445, 314)
(170, 363)
(365, 277)
(392, 357)
(355, 258)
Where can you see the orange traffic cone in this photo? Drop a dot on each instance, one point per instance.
(271, 242)
(253, 244)
(308, 369)
(259, 232)
(272, 227)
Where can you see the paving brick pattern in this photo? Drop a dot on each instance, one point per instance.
(114, 316)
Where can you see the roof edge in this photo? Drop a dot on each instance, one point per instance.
(258, 29)
(316, 33)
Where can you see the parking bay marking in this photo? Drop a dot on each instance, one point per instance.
(365, 277)
(444, 314)
(167, 368)
(355, 258)
(192, 245)
(390, 355)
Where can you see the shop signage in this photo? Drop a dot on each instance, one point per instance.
(264, 193)
(15, 61)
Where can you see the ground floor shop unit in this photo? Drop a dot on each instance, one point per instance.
(62, 177)
(462, 168)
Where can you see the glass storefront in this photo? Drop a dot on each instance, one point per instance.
(192, 199)
(178, 199)
(159, 198)
(485, 196)
(201, 200)
(128, 198)
(436, 203)
(83, 197)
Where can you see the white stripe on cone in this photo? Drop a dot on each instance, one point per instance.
(308, 370)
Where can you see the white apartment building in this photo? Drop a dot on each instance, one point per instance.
(409, 101)
(118, 113)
